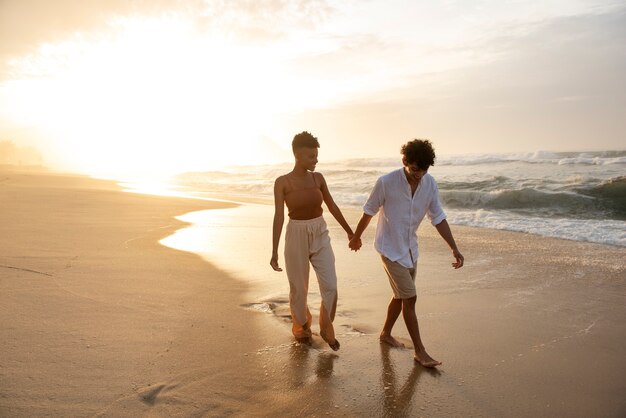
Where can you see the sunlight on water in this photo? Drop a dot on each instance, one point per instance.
(158, 188)
(576, 196)
(239, 241)
(216, 235)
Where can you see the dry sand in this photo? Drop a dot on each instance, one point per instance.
(97, 318)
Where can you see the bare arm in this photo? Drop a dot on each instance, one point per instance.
(333, 208)
(355, 242)
(444, 230)
(372, 205)
(279, 219)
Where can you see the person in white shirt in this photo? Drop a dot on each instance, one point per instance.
(404, 197)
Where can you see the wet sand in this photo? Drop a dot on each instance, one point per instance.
(97, 318)
(531, 326)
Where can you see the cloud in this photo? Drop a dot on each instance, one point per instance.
(345, 56)
(577, 56)
(559, 82)
(262, 20)
(25, 24)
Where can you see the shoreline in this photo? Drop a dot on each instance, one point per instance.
(246, 199)
(127, 326)
(99, 319)
(556, 268)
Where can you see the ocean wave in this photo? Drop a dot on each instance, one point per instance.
(614, 187)
(489, 184)
(539, 157)
(510, 199)
(350, 174)
(580, 196)
(611, 232)
(592, 160)
(612, 193)
(546, 203)
(372, 162)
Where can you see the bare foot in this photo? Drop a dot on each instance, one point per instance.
(305, 340)
(425, 360)
(334, 344)
(388, 339)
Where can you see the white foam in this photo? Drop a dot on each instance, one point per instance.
(543, 184)
(592, 160)
(545, 157)
(599, 231)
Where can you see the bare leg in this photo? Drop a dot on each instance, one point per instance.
(393, 312)
(410, 319)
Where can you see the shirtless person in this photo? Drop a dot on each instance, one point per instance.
(404, 197)
(307, 241)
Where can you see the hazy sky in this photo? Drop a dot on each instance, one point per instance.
(116, 87)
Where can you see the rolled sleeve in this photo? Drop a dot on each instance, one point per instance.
(435, 211)
(376, 199)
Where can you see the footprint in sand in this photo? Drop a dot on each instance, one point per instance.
(149, 396)
(277, 306)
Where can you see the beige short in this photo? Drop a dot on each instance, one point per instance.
(401, 279)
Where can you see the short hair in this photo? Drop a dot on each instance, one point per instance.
(304, 140)
(419, 152)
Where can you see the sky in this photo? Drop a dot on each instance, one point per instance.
(145, 87)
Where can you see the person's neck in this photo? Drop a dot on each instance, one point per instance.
(299, 171)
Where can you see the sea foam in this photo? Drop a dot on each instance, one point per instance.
(578, 196)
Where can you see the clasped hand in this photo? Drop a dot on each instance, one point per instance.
(355, 244)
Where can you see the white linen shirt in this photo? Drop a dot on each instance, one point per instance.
(401, 214)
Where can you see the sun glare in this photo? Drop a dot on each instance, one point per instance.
(155, 95)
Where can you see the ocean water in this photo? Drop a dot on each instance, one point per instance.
(575, 196)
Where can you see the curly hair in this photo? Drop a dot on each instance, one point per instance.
(304, 140)
(419, 152)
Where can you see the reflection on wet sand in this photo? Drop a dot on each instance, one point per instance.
(312, 379)
(298, 370)
(397, 400)
(325, 364)
(301, 374)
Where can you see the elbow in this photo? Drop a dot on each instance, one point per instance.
(439, 220)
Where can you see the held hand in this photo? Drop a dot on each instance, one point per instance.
(274, 264)
(459, 259)
(355, 244)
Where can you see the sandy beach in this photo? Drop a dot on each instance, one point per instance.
(97, 318)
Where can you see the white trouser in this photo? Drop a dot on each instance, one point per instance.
(307, 242)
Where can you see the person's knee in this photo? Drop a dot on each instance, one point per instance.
(329, 295)
(409, 302)
(331, 289)
(295, 291)
(327, 284)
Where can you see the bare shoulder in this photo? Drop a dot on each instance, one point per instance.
(280, 183)
(319, 177)
(281, 179)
